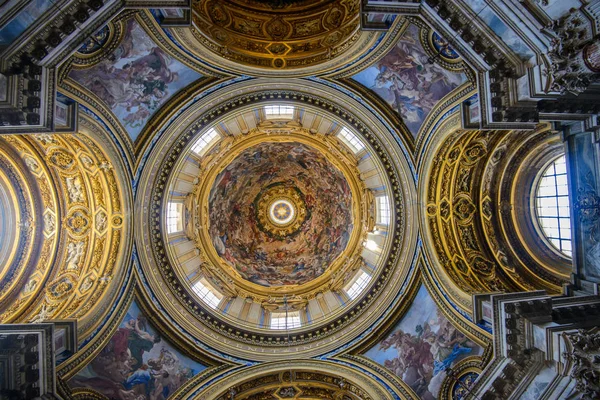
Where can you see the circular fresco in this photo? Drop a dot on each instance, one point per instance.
(443, 48)
(462, 388)
(280, 214)
(95, 42)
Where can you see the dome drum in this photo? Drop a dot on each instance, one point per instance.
(252, 304)
(271, 260)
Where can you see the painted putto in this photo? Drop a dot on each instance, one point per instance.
(136, 79)
(422, 346)
(409, 81)
(312, 188)
(137, 364)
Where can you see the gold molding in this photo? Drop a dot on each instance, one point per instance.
(230, 147)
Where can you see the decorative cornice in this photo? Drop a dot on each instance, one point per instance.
(232, 331)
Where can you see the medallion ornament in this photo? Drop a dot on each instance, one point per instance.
(280, 210)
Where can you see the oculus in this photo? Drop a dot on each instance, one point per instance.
(280, 210)
(552, 206)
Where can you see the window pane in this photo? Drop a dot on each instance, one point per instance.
(174, 217)
(562, 190)
(552, 206)
(351, 140)
(281, 321)
(204, 141)
(550, 223)
(561, 168)
(279, 112)
(359, 285)
(383, 210)
(206, 293)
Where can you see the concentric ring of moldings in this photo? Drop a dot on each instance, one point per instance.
(309, 379)
(280, 210)
(199, 319)
(229, 183)
(22, 208)
(264, 35)
(82, 222)
(293, 384)
(476, 212)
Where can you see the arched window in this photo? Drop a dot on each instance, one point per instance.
(552, 206)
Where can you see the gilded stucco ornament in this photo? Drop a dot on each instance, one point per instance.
(587, 204)
(302, 379)
(281, 210)
(177, 278)
(573, 54)
(293, 35)
(583, 361)
(71, 255)
(478, 214)
(208, 211)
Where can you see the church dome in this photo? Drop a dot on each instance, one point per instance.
(280, 214)
(276, 223)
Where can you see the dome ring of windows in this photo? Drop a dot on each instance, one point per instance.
(281, 286)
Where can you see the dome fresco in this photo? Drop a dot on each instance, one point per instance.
(299, 199)
(259, 254)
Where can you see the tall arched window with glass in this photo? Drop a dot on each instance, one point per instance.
(552, 206)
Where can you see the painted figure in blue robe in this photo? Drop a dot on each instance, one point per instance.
(299, 266)
(142, 376)
(457, 351)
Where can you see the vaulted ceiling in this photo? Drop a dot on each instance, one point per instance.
(189, 177)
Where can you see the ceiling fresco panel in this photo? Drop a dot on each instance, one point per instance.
(265, 256)
(408, 82)
(422, 346)
(137, 363)
(136, 79)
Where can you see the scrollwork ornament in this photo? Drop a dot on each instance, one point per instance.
(587, 205)
(585, 362)
(62, 287)
(569, 72)
(62, 159)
